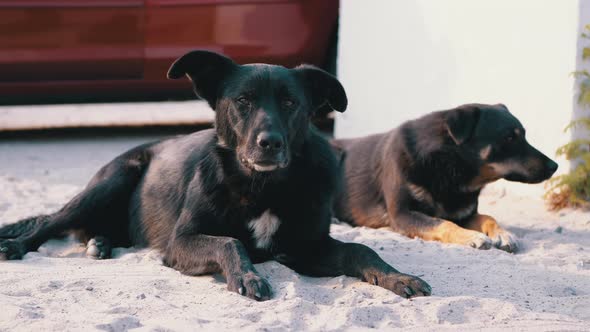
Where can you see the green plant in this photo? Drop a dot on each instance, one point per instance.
(573, 189)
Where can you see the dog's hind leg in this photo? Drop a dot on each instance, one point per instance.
(101, 209)
(22, 227)
(99, 247)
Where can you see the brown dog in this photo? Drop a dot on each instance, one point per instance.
(424, 178)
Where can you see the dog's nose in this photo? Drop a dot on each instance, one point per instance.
(551, 166)
(269, 140)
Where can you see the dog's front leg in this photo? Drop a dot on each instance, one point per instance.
(197, 254)
(501, 238)
(331, 257)
(417, 224)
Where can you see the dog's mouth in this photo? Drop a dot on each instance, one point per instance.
(265, 165)
(531, 179)
(537, 174)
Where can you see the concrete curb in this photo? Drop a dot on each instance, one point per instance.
(36, 117)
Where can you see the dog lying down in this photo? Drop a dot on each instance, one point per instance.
(424, 178)
(257, 187)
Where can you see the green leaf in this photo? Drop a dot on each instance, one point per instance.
(574, 149)
(581, 74)
(584, 97)
(582, 122)
(573, 188)
(584, 87)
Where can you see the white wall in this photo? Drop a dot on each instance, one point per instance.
(401, 59)
(581, 64)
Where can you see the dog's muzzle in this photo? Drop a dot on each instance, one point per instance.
(517, 172)
(269, 153)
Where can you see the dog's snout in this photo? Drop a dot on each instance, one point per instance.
(269, 141)
(551, 167)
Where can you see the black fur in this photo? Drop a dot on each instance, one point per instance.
(194, 197)
(432, 169)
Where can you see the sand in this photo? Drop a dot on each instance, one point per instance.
(538, 289)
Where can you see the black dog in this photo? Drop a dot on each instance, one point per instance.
(424, 178)
(259, 186)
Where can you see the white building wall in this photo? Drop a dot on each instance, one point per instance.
(401, 59)
(581, 64)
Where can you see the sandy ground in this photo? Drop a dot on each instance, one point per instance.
(57, 288)
(538, 289)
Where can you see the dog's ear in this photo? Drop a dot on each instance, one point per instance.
(502, 107)
(206, 70)
(461, 122)
(327, 94)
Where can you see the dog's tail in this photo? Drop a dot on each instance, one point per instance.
(22, 227)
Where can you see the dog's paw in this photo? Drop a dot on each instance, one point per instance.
(504, 240)
(251, 285)
(11, 250)
(401, 284)
(98, 248)
(479, 240)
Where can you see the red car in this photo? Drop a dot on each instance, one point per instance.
(89, 48)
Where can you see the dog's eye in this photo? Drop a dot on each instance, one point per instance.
(509, 138)
(290, 103)
(243, 101)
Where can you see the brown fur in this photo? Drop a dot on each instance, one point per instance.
(424, 178)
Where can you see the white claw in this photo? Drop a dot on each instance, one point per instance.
(506, 241)
(480, 241)
(92, 251)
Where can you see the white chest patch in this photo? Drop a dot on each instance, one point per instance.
(264, 227)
